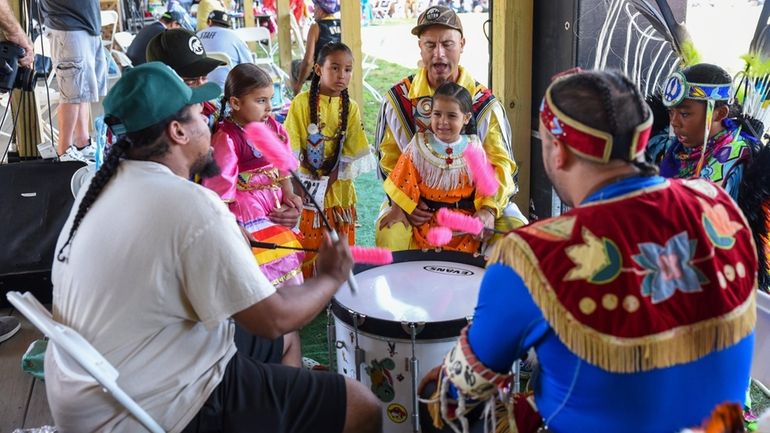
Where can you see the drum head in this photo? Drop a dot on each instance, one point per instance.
(438, 289)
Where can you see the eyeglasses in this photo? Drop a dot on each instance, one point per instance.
(195, 81)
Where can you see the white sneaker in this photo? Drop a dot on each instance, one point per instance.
(73, 154)
(88, 151)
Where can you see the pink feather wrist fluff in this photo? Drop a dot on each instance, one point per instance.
(439, 236)
(273, 149)
(371, 255)
(481, 171)
(459, 222)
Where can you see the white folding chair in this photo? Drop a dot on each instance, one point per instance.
(760, 365)
(221, 56)
(297, 35)
(368, 66)
(261, 36)
(74, 345)
(123, 39)
(109, 20)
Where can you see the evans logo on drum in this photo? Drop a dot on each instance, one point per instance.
(448, 270)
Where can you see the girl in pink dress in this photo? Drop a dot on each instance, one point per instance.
(261, 197)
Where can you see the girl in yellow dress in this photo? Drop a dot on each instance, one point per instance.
(325, 130)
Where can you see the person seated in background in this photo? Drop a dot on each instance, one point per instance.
(205, 7)
(183, 51)
(705, 139)
(406, 111)
(325, 29)
(182, 8)
(627, 316)
(138, 49)
(220, 38)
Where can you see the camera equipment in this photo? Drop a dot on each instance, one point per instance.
(11, 75)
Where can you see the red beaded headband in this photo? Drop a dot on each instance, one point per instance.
(588, 142)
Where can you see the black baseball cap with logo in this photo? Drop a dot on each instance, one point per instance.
(183, 51)
(220, 17)
(437, 16)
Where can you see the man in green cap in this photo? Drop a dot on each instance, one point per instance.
(151, 268)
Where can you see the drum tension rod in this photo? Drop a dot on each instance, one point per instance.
(331, 337)
(413, 329)
(359, 354)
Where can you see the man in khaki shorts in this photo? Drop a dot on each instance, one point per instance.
(81, 71)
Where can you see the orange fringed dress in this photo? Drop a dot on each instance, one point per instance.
(435, 172)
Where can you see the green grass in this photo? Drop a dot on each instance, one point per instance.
(370, 196)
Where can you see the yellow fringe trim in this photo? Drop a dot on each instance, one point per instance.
(282, 279)
(624, 355)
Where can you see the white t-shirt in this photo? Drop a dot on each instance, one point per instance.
(224, 40)
(155, 271)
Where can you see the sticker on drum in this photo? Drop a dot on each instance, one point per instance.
(428, 293)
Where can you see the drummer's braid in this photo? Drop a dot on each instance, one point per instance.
(142, 145)
(607, 101)
(646, 168)
(608, 104)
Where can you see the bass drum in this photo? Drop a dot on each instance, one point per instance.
(405, 317)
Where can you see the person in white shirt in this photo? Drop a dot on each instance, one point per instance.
(152, 269)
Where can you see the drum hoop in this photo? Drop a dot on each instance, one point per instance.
(393, 330)
(420, 255)
(401, 340)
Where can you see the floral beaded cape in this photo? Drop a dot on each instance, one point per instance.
(658, 277)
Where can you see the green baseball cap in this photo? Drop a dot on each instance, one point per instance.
(150, 93)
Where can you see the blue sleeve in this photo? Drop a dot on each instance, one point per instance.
(506, 322)
(657, 146)
(733, 182)
(244, 54)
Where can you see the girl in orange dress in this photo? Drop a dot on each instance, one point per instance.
(431, 173)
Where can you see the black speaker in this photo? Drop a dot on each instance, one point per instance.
(567, 35)
(35, 200)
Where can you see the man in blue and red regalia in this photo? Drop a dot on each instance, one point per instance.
(639, 302)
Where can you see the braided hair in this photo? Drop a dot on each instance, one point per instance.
(242, 80)
(315, 90)
(141, 145)
(462, 97)
(607, 101)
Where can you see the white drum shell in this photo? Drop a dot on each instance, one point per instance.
(393, 386)
(436, 292)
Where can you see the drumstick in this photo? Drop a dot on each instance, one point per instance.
(277, 153)
(361, 255)
(489, 229)
(272, 246)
